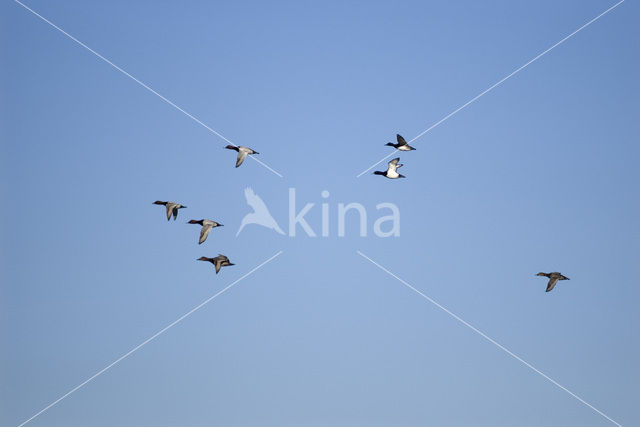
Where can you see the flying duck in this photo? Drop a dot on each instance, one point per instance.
(207, 225)
(219, 261)
(553, 279)
(401, 145)
(242, 152)
(391, 171)
(172, 208)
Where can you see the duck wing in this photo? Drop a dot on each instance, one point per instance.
(551, 284)
(218, 265)
(241, 156)
(204, 232)
(400, 140)
(170, 210)
(393, 164)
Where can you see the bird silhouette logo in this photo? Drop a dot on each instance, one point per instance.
(260, 214)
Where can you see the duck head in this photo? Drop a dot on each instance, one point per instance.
(390, 144)
(158, 202)
(195, 221)
(542, 274)
(203, 258)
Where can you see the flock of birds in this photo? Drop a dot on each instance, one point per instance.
(393, 165)
(392, 173)
(206, 224)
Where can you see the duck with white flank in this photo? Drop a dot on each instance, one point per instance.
(172, 208)
(401, 145)
(391, 171)
(553, 279)
(207, 225)
(219, 261)
(242, 152)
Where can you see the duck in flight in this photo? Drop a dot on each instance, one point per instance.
(391, 171)
(401, 145)
(242, 152)
(172, 208)
(218, 262)
(207, 225)
(553, 279)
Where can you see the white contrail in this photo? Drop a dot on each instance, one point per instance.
(168, 101)
(145, 342)
(488, 338)
(498, 83)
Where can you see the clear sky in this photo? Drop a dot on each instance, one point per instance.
(540, 174)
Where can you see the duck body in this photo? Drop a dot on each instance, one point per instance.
(402, 145)
(242, 152)
(218, 262)
(172, 208)
(553, 279)
(207, 225)
(392, 170)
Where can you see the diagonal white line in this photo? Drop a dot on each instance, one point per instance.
(148, 340)
(488, 338)
(498, 83)
(168, 101)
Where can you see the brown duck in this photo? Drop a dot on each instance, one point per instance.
(172, 208)
(242, 152)
(553, 279)
(218, 262)
(207, 225)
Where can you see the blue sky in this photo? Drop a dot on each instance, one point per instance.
(540, 174)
